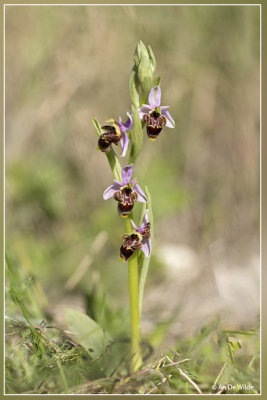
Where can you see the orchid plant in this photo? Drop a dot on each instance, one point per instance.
(136, 243)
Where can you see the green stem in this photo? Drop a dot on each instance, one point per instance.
(134, 305)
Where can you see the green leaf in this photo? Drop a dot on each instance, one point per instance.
(156, 82)
(133, 87)
(136, 136)
(152, 58)
(86, 331)
(97, 126)
(114, 164)
(111, 155)
(143, 261)
(142, 214)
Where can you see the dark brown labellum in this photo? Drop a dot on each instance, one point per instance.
(106, 139)
(125, 253)
(154, 123)
(129, 244)
(108, 128)
(126, 198)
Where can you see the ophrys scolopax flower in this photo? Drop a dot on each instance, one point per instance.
(138, 240)
(125, 192)
(115, 133)
(154, 115)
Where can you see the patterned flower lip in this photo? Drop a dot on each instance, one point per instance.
(115, 133)
(130, 243)
(107, 138)
(154, 114)
(125, 192)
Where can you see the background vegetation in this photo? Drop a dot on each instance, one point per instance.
(65, 65)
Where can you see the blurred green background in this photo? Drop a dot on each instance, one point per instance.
(66, 65)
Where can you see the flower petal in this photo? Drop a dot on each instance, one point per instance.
(134, 226)
(145, 249)
(170, 122)
(146, 216)
(127, 172)
(145, 109)
(149, 245)
(118, 182)
(163, 108)
(141, 197)
(133, 182)
(122, 129)
(108, 193)
(129, 123)
(124, 143)
(154, 97)
(145, 220)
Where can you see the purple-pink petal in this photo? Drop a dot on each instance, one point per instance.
(124, 143)
(149, 246)
(118, 182)
(154, 97)
(127, 172)
(122, 129)
(133, 182)
(145, 109)
(129, 123)
(163, 108)
(145, 249)
(170, 122)
(146, 216)
(108, 193)
(141, 197)
(145, 220)
(134, 226)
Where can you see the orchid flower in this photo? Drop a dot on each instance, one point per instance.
(144, 230)
(130, 243)
(138, 240)
(154, 115)
(115, 134)
(125, 192)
